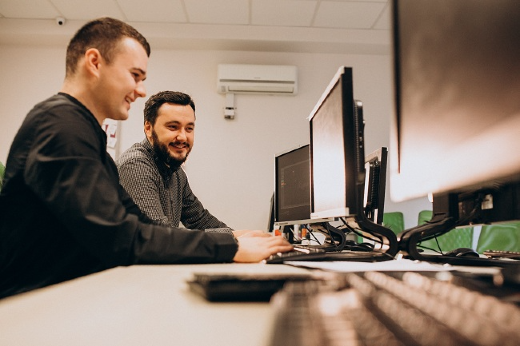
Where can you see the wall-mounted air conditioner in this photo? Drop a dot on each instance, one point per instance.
(257, 79)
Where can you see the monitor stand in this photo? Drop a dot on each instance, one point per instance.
(444, 219)
(386, 235)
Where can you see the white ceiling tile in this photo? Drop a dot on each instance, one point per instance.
(158, 11)
(352, 15)
(281, 25)
(218, 11)
(86, 10)
(384, 21)
(29, 9)
(283, 13)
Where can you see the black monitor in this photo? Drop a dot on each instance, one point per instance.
(456, 129)
(292, 187)
(375, 184)
(338, 161)
(337, 150)
(457, 103)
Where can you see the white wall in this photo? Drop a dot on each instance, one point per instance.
(231, 166)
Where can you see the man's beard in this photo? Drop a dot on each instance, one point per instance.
(162, 152)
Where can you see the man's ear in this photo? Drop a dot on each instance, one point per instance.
(148, 128)
(93, 61)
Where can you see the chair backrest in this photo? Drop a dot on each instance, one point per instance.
(424, 216)
(394, 220)
(2, 171)
(458, 237)
(504, 237)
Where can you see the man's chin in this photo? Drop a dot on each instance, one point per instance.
(177, 156)
(178, 159)
(174, 163)
(119, 116)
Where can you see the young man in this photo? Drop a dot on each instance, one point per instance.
(63, 212)
(151, 172)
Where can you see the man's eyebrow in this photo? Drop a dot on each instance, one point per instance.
(176, 122)
(141, 71)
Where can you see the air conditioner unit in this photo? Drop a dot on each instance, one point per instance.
(257, 79)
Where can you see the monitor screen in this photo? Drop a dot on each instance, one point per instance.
(292, 186)
(375, 184)
(337, 151)
(457, 96)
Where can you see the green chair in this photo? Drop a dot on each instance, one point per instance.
(504, 237)
(2, 171)
(457, 237)
(424, 216)
(394, 220)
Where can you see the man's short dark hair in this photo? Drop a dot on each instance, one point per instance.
(153, 104)
(104, 34)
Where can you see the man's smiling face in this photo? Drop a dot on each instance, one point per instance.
(173, 133)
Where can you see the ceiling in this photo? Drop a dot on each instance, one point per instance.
(316, 26)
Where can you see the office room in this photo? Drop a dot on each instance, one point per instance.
(186, 52)
(231, 167)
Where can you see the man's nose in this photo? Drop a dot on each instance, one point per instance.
(140, 90)
(181, 134)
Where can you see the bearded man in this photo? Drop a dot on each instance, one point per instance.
(151, 171)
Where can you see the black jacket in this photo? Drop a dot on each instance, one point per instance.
(65, 215)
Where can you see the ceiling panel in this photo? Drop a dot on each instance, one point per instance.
(383, 23)
(268, 25)
(348, 15)
(87, 10)
(218, 11)
(159, 11)
(283, 13)
(36, 9)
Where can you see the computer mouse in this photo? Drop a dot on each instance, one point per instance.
(462, 252)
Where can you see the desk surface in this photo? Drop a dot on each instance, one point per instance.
(137, 305)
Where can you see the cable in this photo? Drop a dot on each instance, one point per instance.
(376, 239)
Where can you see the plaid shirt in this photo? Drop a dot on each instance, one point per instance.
(161, 193)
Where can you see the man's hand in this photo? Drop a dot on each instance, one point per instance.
(248, 233)
(257, 248)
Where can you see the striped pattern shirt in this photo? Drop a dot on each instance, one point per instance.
(161, 193)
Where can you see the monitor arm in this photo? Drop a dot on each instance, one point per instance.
(444, 219)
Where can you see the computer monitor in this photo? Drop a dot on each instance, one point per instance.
(457, 103)
(456, 129)
(337, 150)
(375, 184)
(292, 187)
(337, 155)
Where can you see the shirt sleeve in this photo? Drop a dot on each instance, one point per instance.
(65, 169)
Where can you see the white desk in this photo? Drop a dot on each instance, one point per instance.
(138, 305)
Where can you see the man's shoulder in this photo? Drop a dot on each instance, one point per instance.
(60, 119)
(136, 153)
(59, 105)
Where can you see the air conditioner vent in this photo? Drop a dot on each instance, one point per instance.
(257, 79)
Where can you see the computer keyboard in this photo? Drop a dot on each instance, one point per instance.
(298, 254)
(375, 308)
(318, 254)
(502, 254)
